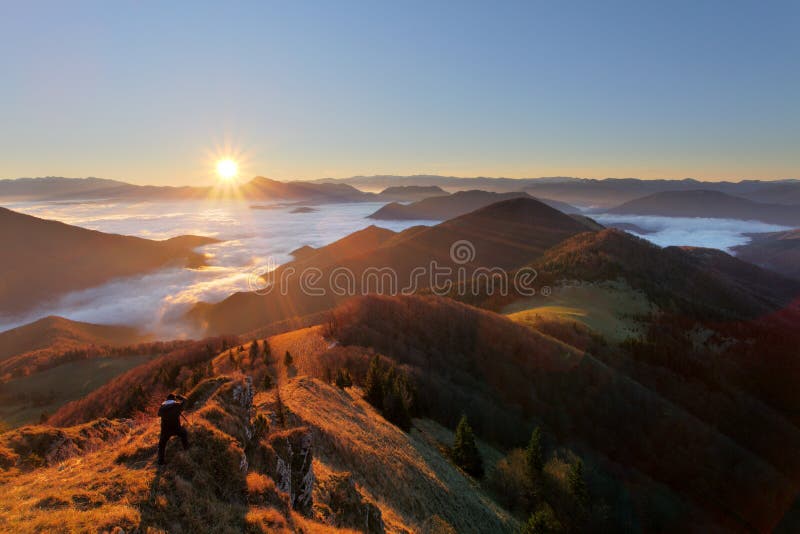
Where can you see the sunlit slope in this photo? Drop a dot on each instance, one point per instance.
(58, 333)
(612, 310)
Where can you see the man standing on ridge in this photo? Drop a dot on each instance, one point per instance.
(170, 414)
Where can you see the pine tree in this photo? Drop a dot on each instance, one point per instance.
(465, 452)
(287, 359)
(254, 351)
(577, 485)
(373, 387)
(394, 409)
(534, 455)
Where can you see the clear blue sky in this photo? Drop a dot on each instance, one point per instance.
(145, 91)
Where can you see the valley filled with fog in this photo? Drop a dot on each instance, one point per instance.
(252, 240)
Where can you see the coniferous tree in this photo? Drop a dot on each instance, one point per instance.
(268, 383)
(577, 485)
(465, 452)
(254, 351)
(394, 409)
(287, 359)
(534, 455)
(373, 387)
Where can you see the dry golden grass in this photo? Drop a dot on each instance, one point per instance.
(406, 475)
(117, 486)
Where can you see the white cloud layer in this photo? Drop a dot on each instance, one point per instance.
(691, 231)
(255, 238)
(156, 301)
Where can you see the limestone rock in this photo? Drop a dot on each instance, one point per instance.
(293, 472)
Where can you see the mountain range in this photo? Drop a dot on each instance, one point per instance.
(605, 193)
(340, 413)
(589, 192)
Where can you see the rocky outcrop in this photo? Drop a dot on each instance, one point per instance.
(38, 445)
(340, 504)
(293, 472)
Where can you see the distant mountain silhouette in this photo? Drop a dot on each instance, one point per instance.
(411, 192)
(37, 188)
(257, 189)
(260, 188)
(711, 204)
(44, 259)
(507, 234)
(445, 207)
(779, 251)
(603, 193)
(787, 192)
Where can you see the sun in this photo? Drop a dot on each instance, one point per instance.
(227, 169)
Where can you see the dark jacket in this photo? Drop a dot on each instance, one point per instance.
(170, 414)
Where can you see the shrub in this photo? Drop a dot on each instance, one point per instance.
(268, 382)
(541, 522)
(343, 379)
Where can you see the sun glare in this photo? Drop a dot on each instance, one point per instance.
(227, 169)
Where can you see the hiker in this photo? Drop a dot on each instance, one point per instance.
(170, 414)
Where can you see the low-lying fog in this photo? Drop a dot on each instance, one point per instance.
(254, 239)
(723, 234)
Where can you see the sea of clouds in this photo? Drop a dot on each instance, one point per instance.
(251, 240)
(723, 234)
(254, 239)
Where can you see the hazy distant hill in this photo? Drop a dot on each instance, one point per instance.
(440, 208)
(44, 259)
(779, 251)
(507, 234)
(606, 192)
(787, 192)
(260, 188)
(711, 204)
(257, 189)
(37, 188)
(578, 191)
(411, 192)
